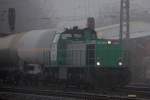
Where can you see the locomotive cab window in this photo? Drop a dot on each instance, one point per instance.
(66, 36)
(77, 36)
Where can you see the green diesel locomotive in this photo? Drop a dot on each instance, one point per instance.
(81, 57)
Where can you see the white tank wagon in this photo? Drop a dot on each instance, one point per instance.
(31, 47)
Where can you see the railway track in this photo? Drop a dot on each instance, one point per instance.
(140, 90)
(71, 94)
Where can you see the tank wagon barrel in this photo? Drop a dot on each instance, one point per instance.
(8, 52)
(29, 47)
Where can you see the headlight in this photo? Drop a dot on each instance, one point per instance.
(98, 63)
(109, 42)
(120, 63)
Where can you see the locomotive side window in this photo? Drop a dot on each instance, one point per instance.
(78, 35)
(65, 36)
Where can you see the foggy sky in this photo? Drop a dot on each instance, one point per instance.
(39, 14)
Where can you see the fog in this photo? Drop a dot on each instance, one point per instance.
(47, 14)
(43, 14)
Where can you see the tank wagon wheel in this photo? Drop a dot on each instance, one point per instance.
(21, 77)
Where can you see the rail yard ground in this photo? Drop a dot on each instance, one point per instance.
(130, 92)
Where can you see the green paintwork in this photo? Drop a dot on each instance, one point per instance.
(61, 53)
(108, 54)
(88, 35)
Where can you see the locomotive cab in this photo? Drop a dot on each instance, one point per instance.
(76, 47)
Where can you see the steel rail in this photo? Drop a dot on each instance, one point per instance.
(69, 94)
